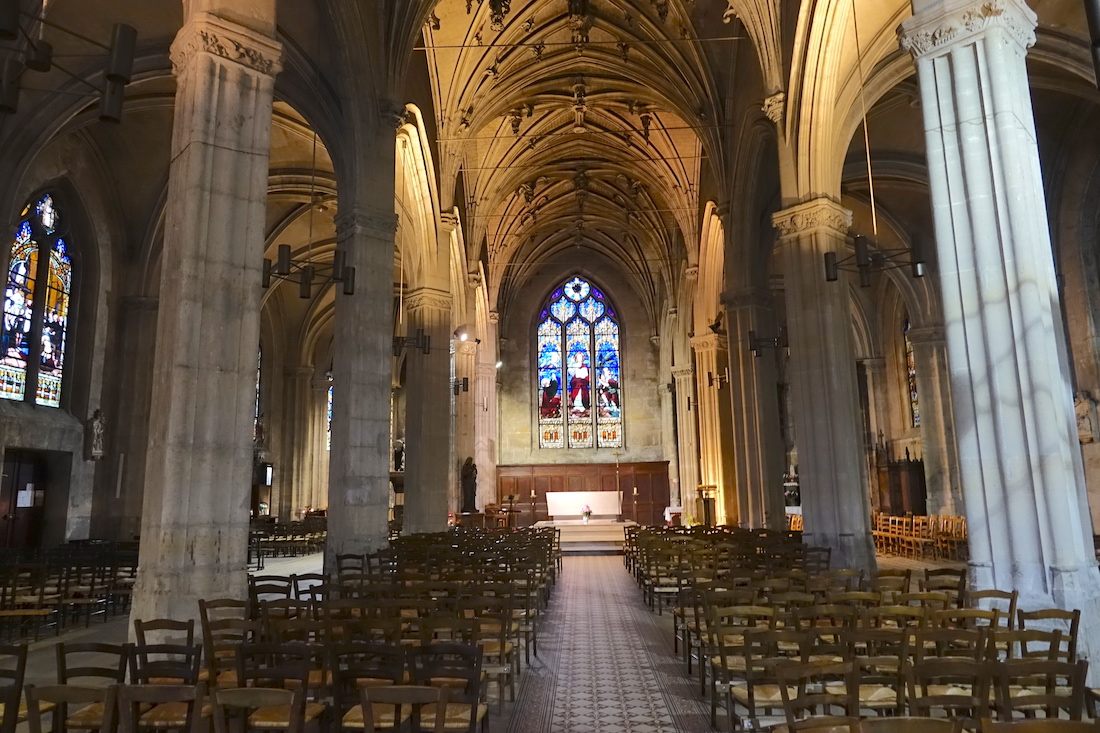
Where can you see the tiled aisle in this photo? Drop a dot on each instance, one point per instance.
(605, 662)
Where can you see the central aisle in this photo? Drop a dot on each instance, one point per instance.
(605, 662)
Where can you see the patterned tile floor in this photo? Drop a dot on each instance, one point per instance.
(605, 662)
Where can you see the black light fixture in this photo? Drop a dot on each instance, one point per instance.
(865, 261)
(421, 341)
(718, 379)
(756, 342)
(306, 272)
(38, 56)
(461, 385)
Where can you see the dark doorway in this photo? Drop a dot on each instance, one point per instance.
(22, 499)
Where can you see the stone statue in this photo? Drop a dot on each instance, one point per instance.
(97, 443)
(1085, 408)
(469, 486)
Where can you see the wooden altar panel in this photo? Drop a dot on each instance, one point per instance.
(650, 478)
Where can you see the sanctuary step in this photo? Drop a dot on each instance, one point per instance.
(598, 537)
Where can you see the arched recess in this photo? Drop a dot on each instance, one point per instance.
(706, 305)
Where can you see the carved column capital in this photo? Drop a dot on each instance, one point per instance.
(709, 343)
(357, 220)
(746, 297)
(448, 222)
(773, 106)
(206, 33)
(692, 273)
(425, 298)
(465, 348)
(955, 23)
(300, 372)
(821, 213)
(682, 373)
(494, 317)
(874, 364)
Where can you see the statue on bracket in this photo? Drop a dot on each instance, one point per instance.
(469, 486)
(97, 436)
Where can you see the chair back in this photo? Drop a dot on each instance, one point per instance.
(92, 660)
(58, 698)
(157, 707)
(415, 697)
(236, 709)
(165, 664)
(909, 725)
(13, 667)
(165, 630)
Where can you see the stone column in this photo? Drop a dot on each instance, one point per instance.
(715, 450)
(683, 379)
(1022, 479)
(937, 427)
(194, 531)
(824, 397)
(465, 406)
(874, 368)
(293, 476)
(315, 492)
(757, 443)
(485, 431)
(427, 414)
(359, 459)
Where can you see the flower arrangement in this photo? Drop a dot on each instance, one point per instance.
(586, 512)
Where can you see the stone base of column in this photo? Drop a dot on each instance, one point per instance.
(850, 551)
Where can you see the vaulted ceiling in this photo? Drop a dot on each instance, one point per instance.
(572, 124)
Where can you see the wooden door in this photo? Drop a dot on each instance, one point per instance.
(22, 500)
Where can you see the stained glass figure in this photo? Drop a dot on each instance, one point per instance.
(551, 417)
(54, 325)
(911, 377)
(578, 342)
(609, 415)
(18, 318)
(35, 319)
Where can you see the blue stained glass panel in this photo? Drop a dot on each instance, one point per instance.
(551, 417)
(609, 405)
(591, 309)
(54, 327)
(578, 350)
(15, 337)
(563, 310)
(577, 289)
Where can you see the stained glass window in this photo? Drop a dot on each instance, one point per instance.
(578, 349)
(257, 421)
(35, 320)
(911, 377)
(328, 423)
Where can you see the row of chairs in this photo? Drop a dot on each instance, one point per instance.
(63, 587)
(273, 682)
(941, 537)
(969, 673)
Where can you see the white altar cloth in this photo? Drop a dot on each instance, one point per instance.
(562, 504)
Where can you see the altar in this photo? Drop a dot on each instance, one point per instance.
(569, 504)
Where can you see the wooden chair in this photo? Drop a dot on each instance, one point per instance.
(66, 702)
(225, 625)
(902, 724)
(161, 707)
(457, 666)
(105, 663)
(284, 666)
(1025, 686)
(1001, 600)
(166, 664)
(389, 708)
(1068, 621)
(359, 664)
(819, 694)
(955, 687)
(258, 708)
(165, 630)
(13, 667)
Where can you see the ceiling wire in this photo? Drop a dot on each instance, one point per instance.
(586, 44)
(866, 135)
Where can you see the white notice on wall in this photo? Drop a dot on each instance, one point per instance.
(24, 498)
